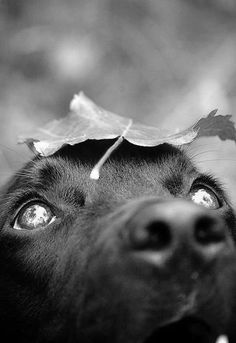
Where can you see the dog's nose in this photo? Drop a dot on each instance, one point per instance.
(163, 228)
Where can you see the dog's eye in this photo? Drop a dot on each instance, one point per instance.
(205, 197)
(33, 216)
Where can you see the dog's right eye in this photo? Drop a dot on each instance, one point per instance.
(205, 197)
(33, 216)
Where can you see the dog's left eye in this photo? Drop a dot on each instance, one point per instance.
(33, 216)
(205, 197)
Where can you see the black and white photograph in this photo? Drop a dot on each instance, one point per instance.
(118, 171)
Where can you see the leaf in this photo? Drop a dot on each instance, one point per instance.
(85, 121)
(88, 121)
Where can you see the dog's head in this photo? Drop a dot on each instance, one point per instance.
(145, 254)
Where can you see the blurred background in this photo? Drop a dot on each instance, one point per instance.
(163, 62)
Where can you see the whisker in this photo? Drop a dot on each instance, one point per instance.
(217, 160)
(202, 153)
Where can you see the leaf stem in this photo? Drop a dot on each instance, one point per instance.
(95, 173)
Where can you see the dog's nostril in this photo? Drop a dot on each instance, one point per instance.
(207, 231)
(159, 235)
(155, 235)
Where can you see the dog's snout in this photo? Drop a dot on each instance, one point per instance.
(166, 227)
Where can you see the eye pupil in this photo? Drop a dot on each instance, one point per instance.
(33, 217)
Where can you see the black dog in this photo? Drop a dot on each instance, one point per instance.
(145, 254)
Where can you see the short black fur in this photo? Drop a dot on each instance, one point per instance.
(79, 279)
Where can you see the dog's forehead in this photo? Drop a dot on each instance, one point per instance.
(130, 171)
